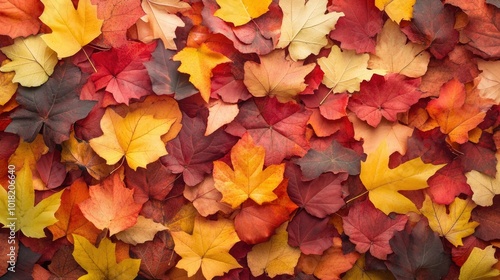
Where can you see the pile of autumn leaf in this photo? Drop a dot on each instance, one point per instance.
(353, 139)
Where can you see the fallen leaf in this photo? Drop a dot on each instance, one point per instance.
(144, 230)
(488, 219)
(111, 205)
(153, 182)
(51, 170)
(75, 27)
(274, 257)
(360, 272)
(311, 234)
(28, 154)
(489, 83)
(206, 198)
(479, 264)
(32, 60)
(242, 11)
(7, 87)
(207, 248)
(64, 265)
(451, 222)
(157, 256)
(220, 113)
(100, 262)
(484, 187)
(20, 18)
(247, 179)
(305, 26)
(397, 10)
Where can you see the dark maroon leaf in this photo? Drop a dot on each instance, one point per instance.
(489, 220)
(155, 181)
(51, 170)
(312, 235)
(480, 156)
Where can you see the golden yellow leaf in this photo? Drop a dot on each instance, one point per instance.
(100, 262)
(489, 83)
(207, 248)
(277, 76)
(28, 154)
(383, 184)
(32, 60)
(275, 256)
(479, 265)
(144, 230)
(198, 63)
(451, 222)
(247, 180)
(240, 12)
(394, 55)
(484, 187)
(136, 136)
(305, 26)
(345, 70)
(7, 87)
(397, 10)
(31, 219)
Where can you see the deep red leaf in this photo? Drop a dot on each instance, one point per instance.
(51, 170)
(157, 256)
(312, 235)
(489, 220)
(155, 181)
(460, 254)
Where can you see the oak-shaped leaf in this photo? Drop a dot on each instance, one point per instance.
(30, 219)
(207, 248)
(418, 253)
(370, 229)
(111, 205)
(51, 108)
(20, 18)
(320, 197)
(311, 234)
(100, 262)
(279, 127)
(247, 179)
(192, 153)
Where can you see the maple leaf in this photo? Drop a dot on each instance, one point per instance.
(484, 187)
(20, 18)
(276, 76)
(144, 230)
(279, 127)
(488, 220)
(383, 184)
(139, 138)
(489, 83)
(207, 248)
(395, 55)
(345, 70)
(153, 182)
(121, 71)
(458, 110)
(111, 205)
(275, 257)
(370, 229)
(206, 198)
(242, 11)
(479, 264)
(70, 218)
(311, 234)
(156, 256)
(32, 60)
(305, 26)
(100, 262)
(76, 28)
(62, 264)
(52, 107)
(118, 16)
(397, 10)
(448, 183)
(28, 154)
(160, 21)
(29, 218)
(352, 29)
(198, 63)
(418, 254)
(51, 170)
(7, 87)
(247, 179)
(451, 222)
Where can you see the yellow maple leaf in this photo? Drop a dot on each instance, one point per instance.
(383, 184)
(452, 222)
(397, 10)
(395, 55)
(71, 29)
(31, 219)
(305, 26)
(247, 180)
(345, 70)
(7, 86)
(32, 60)
(277, 76)
(479, 265)
(240, 12)
(275, 256)
(100, 262)
(28, 154)
(137, 136)
(207, 248)
(484, 187)
(198, 63)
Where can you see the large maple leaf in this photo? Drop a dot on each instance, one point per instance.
(75, 27)
(20, 17)
(100, 262)
(479, 264)
(207, 248)
(383, 184)
(247, 179)
(305, 26)
(451, 222)
(242, 11)
(279, 127)
(276, 76)
(370, 229)
(52, 107)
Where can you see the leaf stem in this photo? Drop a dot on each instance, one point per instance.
(356, 197)
(326, 96)
(88, 58)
